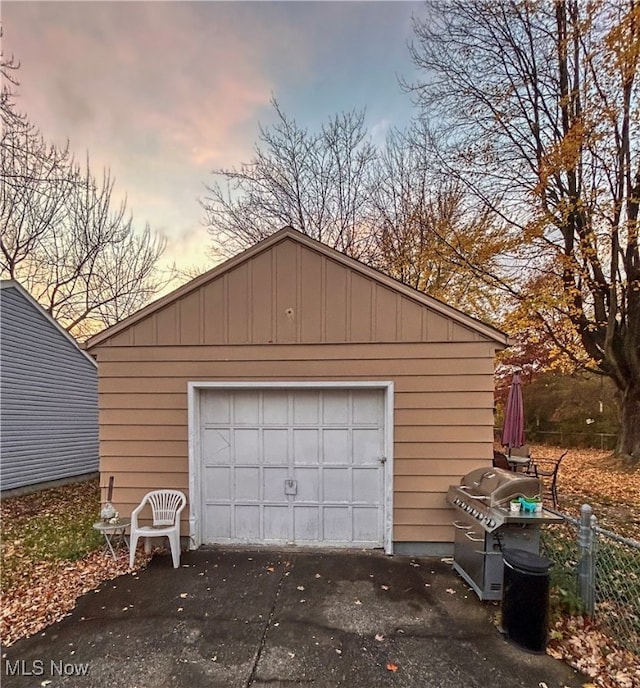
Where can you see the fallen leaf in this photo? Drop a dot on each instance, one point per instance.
(384, 587)
(379, 637)
(392, 667)
(301, 587)
(358, 602)
(184, 595)
(451, 591)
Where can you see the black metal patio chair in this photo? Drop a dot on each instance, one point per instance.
(547, 471)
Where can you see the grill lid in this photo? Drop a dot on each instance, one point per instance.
(498, 485)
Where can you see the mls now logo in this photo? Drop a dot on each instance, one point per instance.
(38, 668)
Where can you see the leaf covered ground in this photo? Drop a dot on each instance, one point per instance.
(613, 491)
(51, 556)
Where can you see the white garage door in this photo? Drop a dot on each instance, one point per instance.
(293, 466)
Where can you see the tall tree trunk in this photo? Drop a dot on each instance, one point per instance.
(629, 436)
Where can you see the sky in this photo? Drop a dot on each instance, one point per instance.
(162, 93)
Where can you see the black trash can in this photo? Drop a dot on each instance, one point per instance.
(525, 599)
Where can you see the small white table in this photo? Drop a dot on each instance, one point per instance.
(114, 535)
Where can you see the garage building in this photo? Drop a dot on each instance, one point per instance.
(298, 397)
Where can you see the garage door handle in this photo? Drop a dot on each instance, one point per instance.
(383, 459)
(290, 487)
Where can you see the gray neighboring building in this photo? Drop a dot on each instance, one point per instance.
(48, 396)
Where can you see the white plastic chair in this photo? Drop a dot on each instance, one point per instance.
(166, 506)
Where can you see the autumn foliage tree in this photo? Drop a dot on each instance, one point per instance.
(536, 104)
(426, 231)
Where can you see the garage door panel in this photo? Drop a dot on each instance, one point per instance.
(275, 445)
(306, 524)
(246, 409)
(275, 408)
(276, 521)
(306, 446)
(336, 446)
(218, 483)
(273, 480)
(366, 524)
(336, 485)
(247, 446)
(367, 409)
(247, 522)
(306, 408)
(217, 447)
(217, 520)
(366, 482)
(247, 484)
(336, 524)
(307, 480)
(335, 407)
(216, 408)
(366, 447)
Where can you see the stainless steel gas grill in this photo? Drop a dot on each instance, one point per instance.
(485, 526)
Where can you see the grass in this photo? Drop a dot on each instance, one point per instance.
(47, 526)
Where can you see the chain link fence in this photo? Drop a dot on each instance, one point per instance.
(596, 572)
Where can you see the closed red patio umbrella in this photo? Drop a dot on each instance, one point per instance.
(513, 427)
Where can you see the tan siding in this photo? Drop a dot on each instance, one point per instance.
(443, 451)
(446, 416)
(426, 483)
(439, 433)
(144, 333)
(360, 306)
(336, 302)
(167, 323)
(145, 465)
(411, 321)
(386, 308)
(435, 467)
(261, 297)
(303, 352)
(144, 416)
(238, 305)
(312, 287)
(466, 369)
(409, 517)
(419, 500)
(443, 411)
(286, 310)
(437, 328)
(215, 313)
(138, 432)
(143, 448)
(142, 401)
(190, 320)
(423, 533)
(172, 480)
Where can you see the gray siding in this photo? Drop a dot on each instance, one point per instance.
(49, 398)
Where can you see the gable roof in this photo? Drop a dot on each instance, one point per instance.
(18, 288)
(290, 234)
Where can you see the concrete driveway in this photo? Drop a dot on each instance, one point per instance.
(262, 618)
